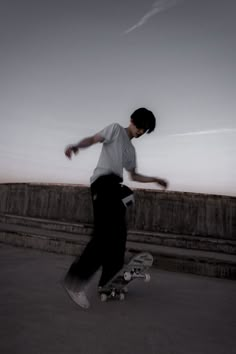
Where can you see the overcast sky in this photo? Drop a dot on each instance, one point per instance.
(68, 68)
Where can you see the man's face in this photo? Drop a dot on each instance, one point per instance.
(137, 132)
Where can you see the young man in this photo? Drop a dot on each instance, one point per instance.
(107, 246)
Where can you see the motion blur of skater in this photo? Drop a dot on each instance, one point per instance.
(110, 199)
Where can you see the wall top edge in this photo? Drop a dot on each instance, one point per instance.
(146, 190)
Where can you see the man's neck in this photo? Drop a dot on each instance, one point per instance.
(129, 133)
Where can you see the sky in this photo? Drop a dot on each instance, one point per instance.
(68, 68)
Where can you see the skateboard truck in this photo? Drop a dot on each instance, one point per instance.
(104, 297)
(133, 274)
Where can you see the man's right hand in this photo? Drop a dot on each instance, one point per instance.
(70, 149)
(162, 182)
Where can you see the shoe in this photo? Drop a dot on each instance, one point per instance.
(79, 298)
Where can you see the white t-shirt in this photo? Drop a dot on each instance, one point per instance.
(117, 152)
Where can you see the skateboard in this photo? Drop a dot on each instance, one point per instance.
(137, 268)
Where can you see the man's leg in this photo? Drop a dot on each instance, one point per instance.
(114, 251)
(83, 268)
(80, 272)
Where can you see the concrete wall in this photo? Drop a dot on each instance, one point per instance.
(170, 212)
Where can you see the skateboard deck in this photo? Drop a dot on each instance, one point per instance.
(136, 269)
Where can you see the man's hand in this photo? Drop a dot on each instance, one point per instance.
(70, 149)
(162, 182)
(146, 179)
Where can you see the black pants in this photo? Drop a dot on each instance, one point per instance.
(107, 246)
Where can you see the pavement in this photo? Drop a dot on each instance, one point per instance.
(173, 314)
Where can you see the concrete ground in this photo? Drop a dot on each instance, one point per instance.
(173, 314)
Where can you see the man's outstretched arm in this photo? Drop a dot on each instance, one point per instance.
(137, 177)
(83, 144)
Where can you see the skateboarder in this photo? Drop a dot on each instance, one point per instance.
(107, 246)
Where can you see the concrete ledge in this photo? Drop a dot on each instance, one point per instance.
(213, 244)
(154, 211)
(66, 238)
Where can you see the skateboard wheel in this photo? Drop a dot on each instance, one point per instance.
(122, 297)
(103, 297)
(127, 276)
(147, 278)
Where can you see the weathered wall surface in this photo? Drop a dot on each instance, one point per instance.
(172, 212)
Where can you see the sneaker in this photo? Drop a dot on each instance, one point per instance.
(79, 298)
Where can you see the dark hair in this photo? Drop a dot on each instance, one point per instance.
(144, 119)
